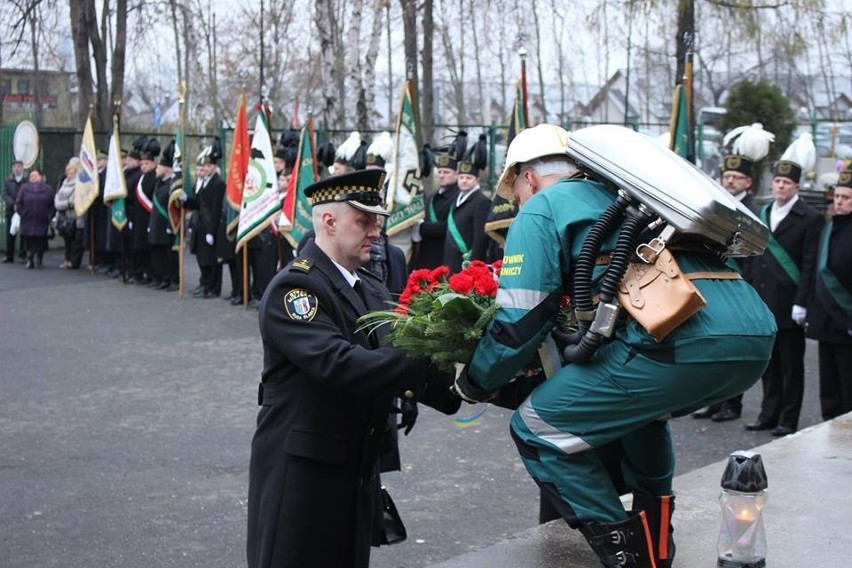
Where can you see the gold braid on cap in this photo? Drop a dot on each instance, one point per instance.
(341, 193)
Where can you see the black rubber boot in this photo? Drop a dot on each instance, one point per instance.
(622, 544)
(658, 511)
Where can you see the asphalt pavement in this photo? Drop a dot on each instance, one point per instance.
(126, 417)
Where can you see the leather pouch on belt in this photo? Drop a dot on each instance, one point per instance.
(658, 295)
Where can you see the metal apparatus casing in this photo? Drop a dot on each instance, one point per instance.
(681, 194)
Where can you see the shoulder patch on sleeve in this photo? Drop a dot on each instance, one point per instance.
(300, 304)
(303, 264)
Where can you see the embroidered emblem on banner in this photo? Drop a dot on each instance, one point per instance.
(300, 304)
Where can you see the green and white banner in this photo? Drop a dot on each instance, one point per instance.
(261, 199)
(405, 187)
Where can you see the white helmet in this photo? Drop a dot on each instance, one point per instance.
(531, 143)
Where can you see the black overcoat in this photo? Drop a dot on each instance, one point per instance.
(326, 394)
(826, 320)
(34, 203)
(430, 251)
(207, 204)
(159, 227)
(470, 219)
(141, 216)
(798, 234)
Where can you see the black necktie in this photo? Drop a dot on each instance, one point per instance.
(359, 289)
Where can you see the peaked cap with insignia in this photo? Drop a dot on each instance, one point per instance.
(362, 189)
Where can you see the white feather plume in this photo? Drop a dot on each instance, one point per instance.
(801, 152)
(346, 150)
(750, 141)
(382, 146)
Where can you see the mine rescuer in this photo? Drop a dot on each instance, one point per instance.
(627, 389)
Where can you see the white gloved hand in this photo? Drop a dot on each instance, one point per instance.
(799, 315)
(182, 197)
(209, 238)
(130, 225)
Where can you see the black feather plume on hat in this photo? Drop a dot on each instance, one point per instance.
(359, 158)
(427, 161)
(458, 146)
(215, 150)
(478, 153)
(151, 149)
(325, 154)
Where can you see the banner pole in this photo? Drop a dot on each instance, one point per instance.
(180, 253)
(245, 275)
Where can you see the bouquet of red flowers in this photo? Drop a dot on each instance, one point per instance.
(439, 315)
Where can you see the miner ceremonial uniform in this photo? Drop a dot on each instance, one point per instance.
(325, 397)
(631, 382)
(466, 238)
(433, 229)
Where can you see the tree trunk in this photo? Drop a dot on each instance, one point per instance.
(80, 35)
(428, 87)
(118, 53)
(355, 106)
(409, 26)
(538, 61)
(455, 77)
(99, 54)
(324, 17)
(478, 59)
(369, 81)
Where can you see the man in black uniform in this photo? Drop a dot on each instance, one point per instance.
(143, 192)
(432, 231)
(161, 237)
(326, 391)
(830, 308)
(207, 202)
(784, 277)
(466, 238)
(10, 193)
(132, 175)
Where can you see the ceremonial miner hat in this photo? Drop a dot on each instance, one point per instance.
(799, 157)
(844, 178)
(380, 151)
(150, 150)
(361, 189)
(446, 161)
(167, 158)
(346, 152)
(211, 154)
(749, 144)
(475, 158)
(138, 147)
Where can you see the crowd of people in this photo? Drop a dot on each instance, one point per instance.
(327, 425)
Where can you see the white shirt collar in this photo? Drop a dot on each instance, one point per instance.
(349, 276)
(463, 195)
(779, 212)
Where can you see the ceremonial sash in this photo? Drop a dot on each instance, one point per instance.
(776, 250)
(433, 217)
(832, 286)
(457, 238)
(141, 197)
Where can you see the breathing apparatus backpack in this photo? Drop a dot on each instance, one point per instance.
(659, 194)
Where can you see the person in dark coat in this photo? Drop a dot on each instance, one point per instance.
(466, 238)
(830, 308)
(432, 232)
(35, 206)
(207, 204)
(226, 253)
(737, 180)
(132, 175)
(161, 237)
(143, 192)
(783, 276)
(11, 187)
(326, 392)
